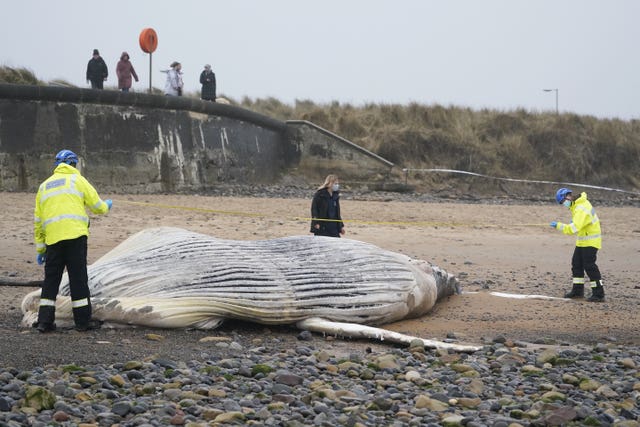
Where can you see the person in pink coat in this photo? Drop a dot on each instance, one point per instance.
(124, 71)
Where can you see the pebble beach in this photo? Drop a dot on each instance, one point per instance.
(505, 384)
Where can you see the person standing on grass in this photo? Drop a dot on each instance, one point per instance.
(61, 227)
(325, 209)
(586, 224)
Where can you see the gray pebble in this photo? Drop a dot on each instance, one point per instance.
(309, 385)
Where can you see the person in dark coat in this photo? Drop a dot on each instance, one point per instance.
(208, 81)
(325, 209)
(96, 70)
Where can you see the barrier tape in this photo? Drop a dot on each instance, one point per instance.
(597, 187)
(405, 223)
(305, 219)
(402, 223)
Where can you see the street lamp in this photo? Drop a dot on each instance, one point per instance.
(551, 90)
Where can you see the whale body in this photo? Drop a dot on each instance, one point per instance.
(174, 278)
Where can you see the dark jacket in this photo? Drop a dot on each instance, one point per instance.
(320, 208)
(97, 69)
(208, 81)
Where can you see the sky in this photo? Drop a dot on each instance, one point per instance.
(495, 54)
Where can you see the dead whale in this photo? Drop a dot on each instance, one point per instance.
(173, 278)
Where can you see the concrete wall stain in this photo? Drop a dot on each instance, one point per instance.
(148, 143)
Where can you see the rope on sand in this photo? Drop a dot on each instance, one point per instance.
(14, 282)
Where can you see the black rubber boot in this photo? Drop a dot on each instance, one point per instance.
(597, 293)
(82, 315)
(89, 326)
(44, 327)
(46, 317)
(577, 291)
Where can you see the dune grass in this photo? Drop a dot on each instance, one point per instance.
(518, 143)
(21, 76)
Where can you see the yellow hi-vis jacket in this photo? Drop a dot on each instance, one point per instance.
(585, 222)
(60, 207)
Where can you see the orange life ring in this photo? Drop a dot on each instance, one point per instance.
(148, 40)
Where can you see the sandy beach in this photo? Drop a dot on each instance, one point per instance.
(489, 247)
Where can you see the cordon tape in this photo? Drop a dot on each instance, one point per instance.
(393, 223)
(597, 187)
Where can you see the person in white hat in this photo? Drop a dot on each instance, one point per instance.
(208, 81)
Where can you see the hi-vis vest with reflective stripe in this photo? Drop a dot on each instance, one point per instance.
(60, 207)
(585, 222)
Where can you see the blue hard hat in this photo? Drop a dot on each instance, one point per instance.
(561, 194)
(66, 156)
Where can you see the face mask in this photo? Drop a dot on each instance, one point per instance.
(335, 187)
(566, 203)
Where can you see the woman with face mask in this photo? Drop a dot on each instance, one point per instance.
(586, 224)
(325, 209)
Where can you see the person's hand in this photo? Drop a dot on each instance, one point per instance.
(554, 224)
(342, 231)
(317, 226)
(109, 203)
(41, 258)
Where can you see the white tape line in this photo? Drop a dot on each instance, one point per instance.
(528, 296)
(597, 187)
(518, 296)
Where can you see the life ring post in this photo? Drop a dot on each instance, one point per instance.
(148, 43)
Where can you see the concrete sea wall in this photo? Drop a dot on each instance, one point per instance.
(319, 151)
(134, 142)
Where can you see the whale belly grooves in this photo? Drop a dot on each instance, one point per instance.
(174, 278)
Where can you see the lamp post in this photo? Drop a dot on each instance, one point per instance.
(556, 91)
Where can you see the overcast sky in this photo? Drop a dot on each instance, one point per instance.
(497, 54)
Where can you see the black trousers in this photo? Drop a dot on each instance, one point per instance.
(97, 84)
(328, 233)
(71, 254)
(584, 260)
